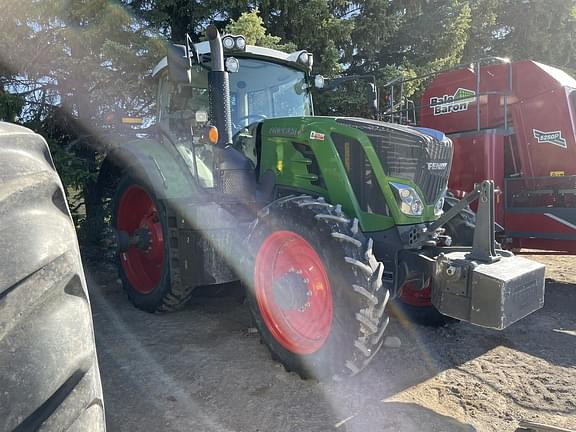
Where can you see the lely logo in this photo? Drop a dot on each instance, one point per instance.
(554, 137)
(448, 104)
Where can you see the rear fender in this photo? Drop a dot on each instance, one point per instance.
(157, 164)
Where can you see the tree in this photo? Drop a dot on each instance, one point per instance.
(71, 64)
(315, 25)
(251, 26)
(394, 39)
(544, 31)
(176, 18)
(427, 36)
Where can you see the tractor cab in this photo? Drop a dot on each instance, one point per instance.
(263, 83)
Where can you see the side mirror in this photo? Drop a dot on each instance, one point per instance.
(372, 97)
(319, 81)
(179, 67)
(180, 61)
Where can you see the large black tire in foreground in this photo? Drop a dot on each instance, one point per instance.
(416, 306)
(49, 375)
(145, 267)
(316, 289)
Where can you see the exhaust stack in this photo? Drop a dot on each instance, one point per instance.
(219, 89)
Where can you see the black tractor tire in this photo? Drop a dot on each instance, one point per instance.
(357, 295)
(461, 227)
(461, 231)
(49, 377)
(167, 293)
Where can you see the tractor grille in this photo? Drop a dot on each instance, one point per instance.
(408, 154)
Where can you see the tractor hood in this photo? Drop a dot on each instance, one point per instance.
(366, 159)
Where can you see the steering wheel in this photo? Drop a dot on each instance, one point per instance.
(252, 116)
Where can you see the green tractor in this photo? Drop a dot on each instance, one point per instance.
(323, 219)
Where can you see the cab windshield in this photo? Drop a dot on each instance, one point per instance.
(261, 89)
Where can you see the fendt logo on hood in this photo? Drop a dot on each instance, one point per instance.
(437, 166)
(448, 104)
(554, 137)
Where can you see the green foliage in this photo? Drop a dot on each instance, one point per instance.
(251, 26)
(314, 25)
(176, 18)
(70, 64)
(10, 106)
(544, 31)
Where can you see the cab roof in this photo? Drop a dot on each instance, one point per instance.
(251, 51)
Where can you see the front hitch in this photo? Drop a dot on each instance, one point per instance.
(482, 285)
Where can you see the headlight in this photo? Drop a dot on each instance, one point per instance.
(439, 207)
(408, 199)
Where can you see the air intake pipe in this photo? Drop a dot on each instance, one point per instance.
(219, 89)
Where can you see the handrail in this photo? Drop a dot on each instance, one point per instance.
(407, 106)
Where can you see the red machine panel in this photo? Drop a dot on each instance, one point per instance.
(451, 102)
(546, 125)
(516, 124)
(539, 102)
(478, 156)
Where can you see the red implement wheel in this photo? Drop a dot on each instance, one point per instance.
(315, 291)
(144, 264)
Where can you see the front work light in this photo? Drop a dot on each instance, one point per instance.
(306, 59)
(228, 42)
(408, 199)
(240, 43)
(303, 58)
(232, 64)
(233, 42)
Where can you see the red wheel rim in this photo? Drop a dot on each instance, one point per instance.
(414, 297)
(142, 267)
(301, 329)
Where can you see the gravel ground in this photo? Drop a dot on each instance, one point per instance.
(202, 369)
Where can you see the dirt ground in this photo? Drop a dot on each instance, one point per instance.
(203, 369)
